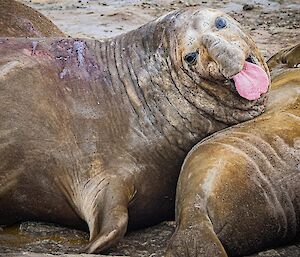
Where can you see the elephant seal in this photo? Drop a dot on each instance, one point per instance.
(96, 131)
(19, 20)
(239, 190)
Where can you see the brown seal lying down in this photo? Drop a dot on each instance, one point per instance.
(19, 20)
(96, 131)
(239, 191)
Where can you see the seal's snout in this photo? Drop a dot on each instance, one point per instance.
(234, 62)
(229, 58)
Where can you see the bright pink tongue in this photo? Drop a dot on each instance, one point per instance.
(251, 82)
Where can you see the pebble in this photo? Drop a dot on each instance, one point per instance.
(248, 7)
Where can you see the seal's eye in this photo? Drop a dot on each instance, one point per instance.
(191, 58)
(220, 23)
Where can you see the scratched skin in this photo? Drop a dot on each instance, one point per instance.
(94, 132)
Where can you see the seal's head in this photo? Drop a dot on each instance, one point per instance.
(212, 46)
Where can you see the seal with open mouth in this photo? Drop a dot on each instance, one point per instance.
(239, 190)
(96, 131)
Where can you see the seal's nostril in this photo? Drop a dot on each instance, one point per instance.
(250, 59)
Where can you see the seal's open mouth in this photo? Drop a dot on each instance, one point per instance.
(251, 81)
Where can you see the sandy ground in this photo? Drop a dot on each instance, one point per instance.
(273, 25)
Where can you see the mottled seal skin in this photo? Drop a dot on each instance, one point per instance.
(19, 20)
(96, 131)
(239, 190)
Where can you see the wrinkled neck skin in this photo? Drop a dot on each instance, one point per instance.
(168, 97)
(162, 95)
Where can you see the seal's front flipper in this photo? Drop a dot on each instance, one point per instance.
(289, 56)
(105, 209)
(292, 57)
(195, 241)
(112, 227)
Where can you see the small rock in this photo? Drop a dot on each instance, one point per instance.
(248, 7)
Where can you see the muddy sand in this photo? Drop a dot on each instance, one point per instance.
(273, 25)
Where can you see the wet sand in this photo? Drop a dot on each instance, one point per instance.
(273, 25)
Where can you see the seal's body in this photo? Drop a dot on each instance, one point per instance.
(19, 20)
(238, 190)
(96, 131)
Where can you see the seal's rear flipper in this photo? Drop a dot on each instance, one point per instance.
(195, 241)
(105, 209)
